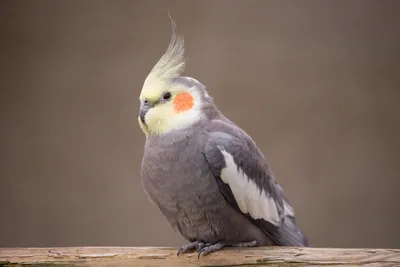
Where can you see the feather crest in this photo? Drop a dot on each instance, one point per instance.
(172, 62)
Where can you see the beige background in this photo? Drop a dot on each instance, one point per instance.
(315, 83)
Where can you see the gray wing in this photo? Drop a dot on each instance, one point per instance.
(248, 185)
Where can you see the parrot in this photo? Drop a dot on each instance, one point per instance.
(203, 172)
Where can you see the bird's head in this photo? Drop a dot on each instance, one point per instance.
(168, 101)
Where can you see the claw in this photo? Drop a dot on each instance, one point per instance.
(200, 245)
(209, 248)
(180, 250)
(188, 248)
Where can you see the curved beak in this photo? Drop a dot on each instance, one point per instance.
(142, 113)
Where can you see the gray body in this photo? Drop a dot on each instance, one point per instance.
(180, 175)
(188, 194)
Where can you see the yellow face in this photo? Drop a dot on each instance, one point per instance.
(164, 105)
(166, 108)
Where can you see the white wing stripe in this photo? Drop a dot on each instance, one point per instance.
(250, 198)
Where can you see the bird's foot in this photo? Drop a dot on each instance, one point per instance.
(251, 244)
(209, 248)
(191, 247)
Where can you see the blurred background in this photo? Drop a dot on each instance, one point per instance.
(315, 83)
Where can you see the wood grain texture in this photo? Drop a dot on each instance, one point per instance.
(159, 256)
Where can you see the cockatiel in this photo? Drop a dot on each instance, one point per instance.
(205, 174)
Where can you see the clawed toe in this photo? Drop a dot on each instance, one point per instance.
(209, 248)
(200, 246)
(188, 248)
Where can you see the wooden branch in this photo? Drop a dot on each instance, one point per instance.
(166, 257)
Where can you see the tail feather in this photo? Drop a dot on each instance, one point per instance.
(289, 234)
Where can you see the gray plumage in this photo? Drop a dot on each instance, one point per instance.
(181, 174)
(205, 174)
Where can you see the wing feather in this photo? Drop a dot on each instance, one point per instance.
(247, 183)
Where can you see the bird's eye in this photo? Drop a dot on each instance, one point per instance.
(145, 101)
(166, 95)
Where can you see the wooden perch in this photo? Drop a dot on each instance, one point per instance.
(166, 257)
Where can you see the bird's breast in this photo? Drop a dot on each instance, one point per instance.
(171, 169)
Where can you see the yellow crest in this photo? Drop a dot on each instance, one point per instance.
(169, 66)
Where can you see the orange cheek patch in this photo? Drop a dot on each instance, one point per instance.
(183, 102)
